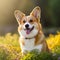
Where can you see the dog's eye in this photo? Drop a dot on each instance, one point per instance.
(31, 20)
(24, 21)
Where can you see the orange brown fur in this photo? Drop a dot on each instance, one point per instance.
(38, 39)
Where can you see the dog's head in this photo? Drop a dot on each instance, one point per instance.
(28, 25)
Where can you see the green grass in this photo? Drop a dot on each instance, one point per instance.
(10, 49)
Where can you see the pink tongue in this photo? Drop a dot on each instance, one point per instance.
(27, 31)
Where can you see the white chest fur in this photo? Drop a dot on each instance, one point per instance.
(30, 45)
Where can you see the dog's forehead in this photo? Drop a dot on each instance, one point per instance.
(27, 18)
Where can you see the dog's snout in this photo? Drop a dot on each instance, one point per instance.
(27, 25)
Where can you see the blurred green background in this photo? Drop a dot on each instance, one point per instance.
(50, 18)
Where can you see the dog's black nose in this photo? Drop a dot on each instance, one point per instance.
(27, 25)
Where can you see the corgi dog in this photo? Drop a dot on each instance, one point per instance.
(30, 31)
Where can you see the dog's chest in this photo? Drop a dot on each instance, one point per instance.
(29, 44)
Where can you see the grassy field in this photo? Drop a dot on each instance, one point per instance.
(10, 49)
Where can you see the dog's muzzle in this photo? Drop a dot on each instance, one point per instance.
(28, 30)
(27, 26)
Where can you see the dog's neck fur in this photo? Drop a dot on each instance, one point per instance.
(33, 43)
(30, 38)
(38, 39)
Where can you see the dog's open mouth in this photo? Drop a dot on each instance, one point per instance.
(28, 30)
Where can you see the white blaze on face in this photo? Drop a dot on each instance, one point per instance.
(30, 26)
(27, 23)
(28, 33)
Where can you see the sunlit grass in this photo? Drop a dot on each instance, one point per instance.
(10, 45)
(9, 39)
(53, 42)
(10, 48)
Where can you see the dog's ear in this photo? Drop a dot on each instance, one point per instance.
(18, 15)
(36, 12)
